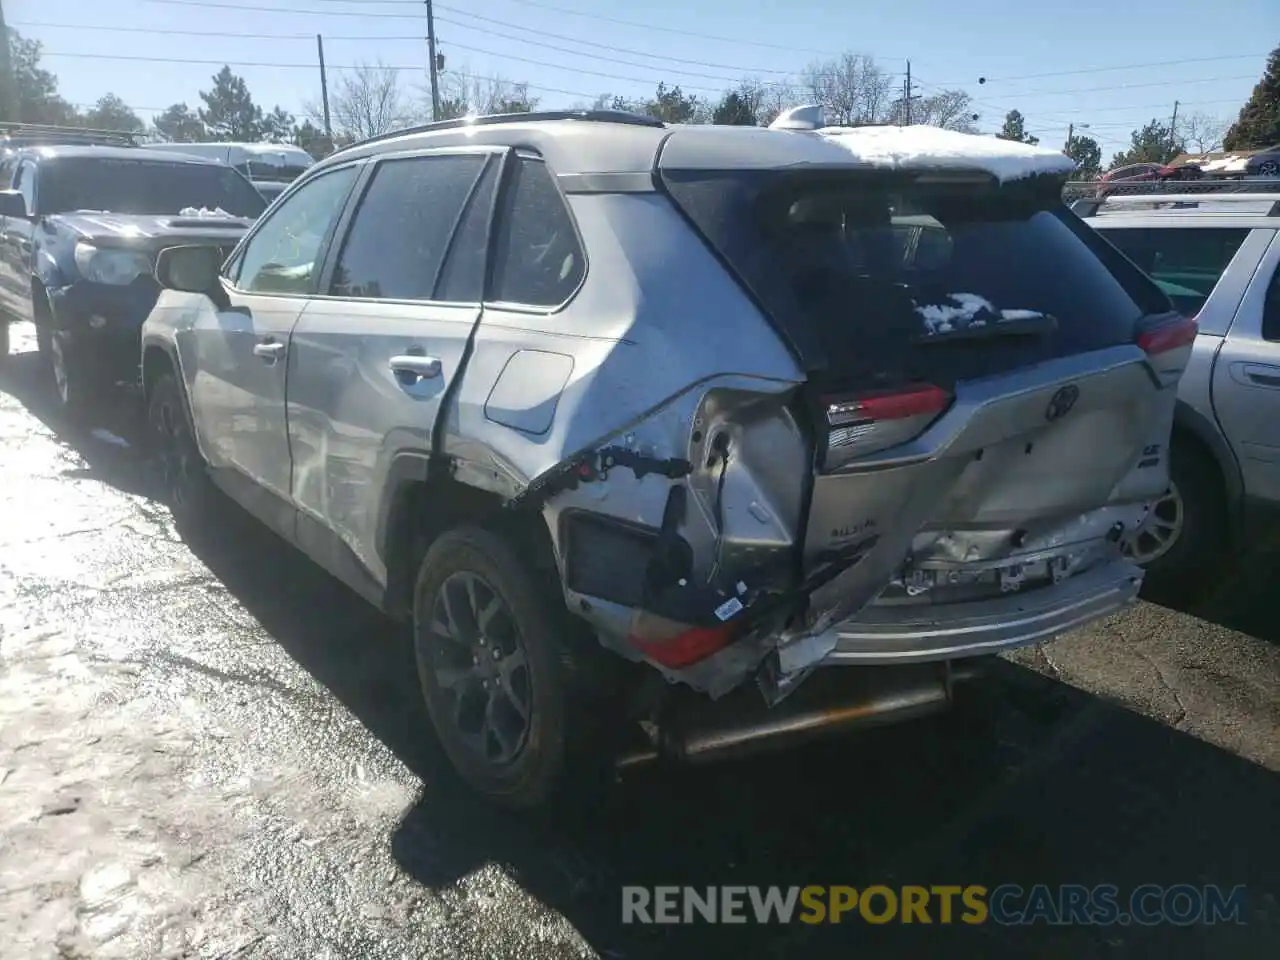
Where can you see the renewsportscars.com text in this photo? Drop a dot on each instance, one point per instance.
(1007, 904)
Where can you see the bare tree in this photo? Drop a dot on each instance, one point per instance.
(1202, 132)
(852, 89)
(772, 97)
(949, 109)
(365, 102)
(463, 93)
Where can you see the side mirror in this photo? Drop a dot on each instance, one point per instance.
(192, 269)
(13, 204)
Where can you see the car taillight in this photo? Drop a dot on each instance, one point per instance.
(868, 422)
(678, 645)
(1169, 336)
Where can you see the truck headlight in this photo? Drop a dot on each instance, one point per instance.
(110, 265)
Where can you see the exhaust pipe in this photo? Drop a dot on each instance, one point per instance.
(695, 729)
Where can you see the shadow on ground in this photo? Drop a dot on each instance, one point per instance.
(1030, 781)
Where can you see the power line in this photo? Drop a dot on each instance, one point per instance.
(743, 71)
(1121, 86)
(589, 43)
(309, 66)
(218, 4)
(220, 63)
(563, 10)
(309, 37)
(1127, 66)
(415, 68)
(629, 23)
(543, 63)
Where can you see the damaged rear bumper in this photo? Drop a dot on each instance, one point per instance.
(902, 633)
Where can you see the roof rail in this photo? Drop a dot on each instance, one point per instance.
(591, 116)
(18, 134)
(1089, 206)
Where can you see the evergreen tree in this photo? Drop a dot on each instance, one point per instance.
(1258, 125)
(229, 112)
(1154, 143)
(1014, 129)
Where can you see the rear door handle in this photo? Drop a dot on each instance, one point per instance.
(410, 368)
(1256, 374)
(269, 350)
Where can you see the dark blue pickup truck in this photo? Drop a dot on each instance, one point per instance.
(80, 227)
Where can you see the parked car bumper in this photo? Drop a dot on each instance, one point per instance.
(105, 322)
(898, 634)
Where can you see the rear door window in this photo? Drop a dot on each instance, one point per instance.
(1185, 264)
(401, 230)
(865, 268)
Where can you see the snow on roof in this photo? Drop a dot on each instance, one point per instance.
(920, 147)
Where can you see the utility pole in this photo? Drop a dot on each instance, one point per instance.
(908, 95)
(324, 88)
(1071, 130)
(1173, 129)
(9, 100)
(434, 63)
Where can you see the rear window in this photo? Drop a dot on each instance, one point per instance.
(1185, 264)
(862, 268)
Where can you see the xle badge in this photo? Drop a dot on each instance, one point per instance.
(1062, 402)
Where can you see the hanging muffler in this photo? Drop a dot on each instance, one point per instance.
(695, 729)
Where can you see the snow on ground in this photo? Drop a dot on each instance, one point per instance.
(922, 147)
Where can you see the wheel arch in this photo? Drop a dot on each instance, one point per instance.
(1193, 428)
(421, 500)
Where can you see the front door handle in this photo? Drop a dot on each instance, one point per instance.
(410, 368)
(269, 350)
(1257, 374)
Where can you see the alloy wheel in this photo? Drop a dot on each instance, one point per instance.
(1159, 530)
(175, 460)
(58, 365)
(479, 663)
(1269, 168)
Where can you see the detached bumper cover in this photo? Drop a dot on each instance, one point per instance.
(930, 632)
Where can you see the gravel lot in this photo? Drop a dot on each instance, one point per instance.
(215, 751)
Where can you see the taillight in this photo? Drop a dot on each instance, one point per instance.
(1169, 336)
(867, 422)
(678, 645)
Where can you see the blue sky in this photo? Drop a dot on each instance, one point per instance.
(1110, 65)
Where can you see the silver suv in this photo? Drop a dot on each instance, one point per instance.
(639, 424)
(1217, 256)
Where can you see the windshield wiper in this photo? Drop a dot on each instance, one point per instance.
(1037, 326)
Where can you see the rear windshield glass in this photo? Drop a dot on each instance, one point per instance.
(265, 170)
(143, 187)
(867, 265)
(1185, 264)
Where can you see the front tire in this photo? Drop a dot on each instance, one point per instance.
(189, 491)
(74, 388)
(1184, 539)
(488, 643)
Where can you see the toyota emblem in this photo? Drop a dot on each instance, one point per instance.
(1062, 402)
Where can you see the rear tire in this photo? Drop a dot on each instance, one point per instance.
(495, 683)
(190, 494)
(1191, 564)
